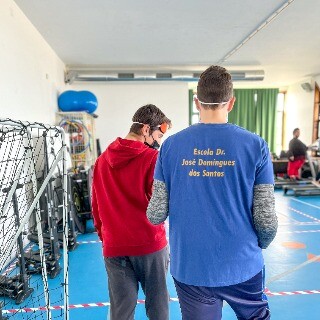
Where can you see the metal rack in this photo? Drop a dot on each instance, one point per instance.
(24, 153)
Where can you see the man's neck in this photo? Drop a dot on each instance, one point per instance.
(134, 137)
(213, 116)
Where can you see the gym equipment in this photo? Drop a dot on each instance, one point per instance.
(27, 179)
(312, 188)
(51, 205)
(77, 101)
(280, 172)
(80, 188)
(17, 288)
(309, 190)
(1, 304)
(98, 147)
(58, 201)
(50, 232)
(282, 179)
(287, 183)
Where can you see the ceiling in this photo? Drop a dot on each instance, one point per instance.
(281, 37)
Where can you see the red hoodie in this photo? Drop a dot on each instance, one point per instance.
(121, 190)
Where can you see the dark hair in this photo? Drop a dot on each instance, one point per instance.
(295, 130)
(215, 85)
(148, 114)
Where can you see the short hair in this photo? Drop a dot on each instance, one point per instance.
(295, 130)
(148, 114)
(215, 85)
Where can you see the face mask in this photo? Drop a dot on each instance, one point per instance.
(155, 145)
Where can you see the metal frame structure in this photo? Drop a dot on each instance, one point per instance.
(8, 124)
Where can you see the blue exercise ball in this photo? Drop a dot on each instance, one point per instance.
(77, 101)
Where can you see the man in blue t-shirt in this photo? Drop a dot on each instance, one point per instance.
(215, 180)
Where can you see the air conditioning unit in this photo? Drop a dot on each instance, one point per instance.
(98, 76)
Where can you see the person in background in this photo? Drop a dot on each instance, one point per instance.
(296, 155)
(215, 181)
(134, 250)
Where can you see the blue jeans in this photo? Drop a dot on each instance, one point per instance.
(247, 300)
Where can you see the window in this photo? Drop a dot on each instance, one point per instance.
(194, 114)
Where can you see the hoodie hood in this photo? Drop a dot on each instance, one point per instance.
(122, 151)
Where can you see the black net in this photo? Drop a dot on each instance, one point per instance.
(34, 229)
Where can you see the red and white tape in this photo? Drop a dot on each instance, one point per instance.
(291, 293)
(96, 241)
(141, 301)
(13, 264)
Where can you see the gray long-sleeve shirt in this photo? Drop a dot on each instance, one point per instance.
(264, 215)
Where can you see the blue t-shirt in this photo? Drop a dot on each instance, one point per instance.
(210, 171)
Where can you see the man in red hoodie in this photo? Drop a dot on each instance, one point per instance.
(135, 251)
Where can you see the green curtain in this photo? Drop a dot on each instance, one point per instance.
(244, 110)
(266, 116)
(256, 110)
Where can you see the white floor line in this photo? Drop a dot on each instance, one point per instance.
(308, 204)
(301, 213)
(291, 270)
(298, 224)
(286, 216)
(298, 231)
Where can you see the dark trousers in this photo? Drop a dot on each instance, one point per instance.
(205, 303)
(124, 276)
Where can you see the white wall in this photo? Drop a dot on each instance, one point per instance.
(31, 74)
(118, 101)
(299, 113)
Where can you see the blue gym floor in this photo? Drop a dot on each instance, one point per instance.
(292, 279)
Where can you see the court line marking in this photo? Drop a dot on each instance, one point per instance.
(291, 270)
(304, 214)
(286, 216)
(88, 241)
(299, 212)
(287, 204)
(298, 231)
(309, 204)
(300, 224)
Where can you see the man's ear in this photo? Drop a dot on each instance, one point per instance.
(145, 130)
(231, 103)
